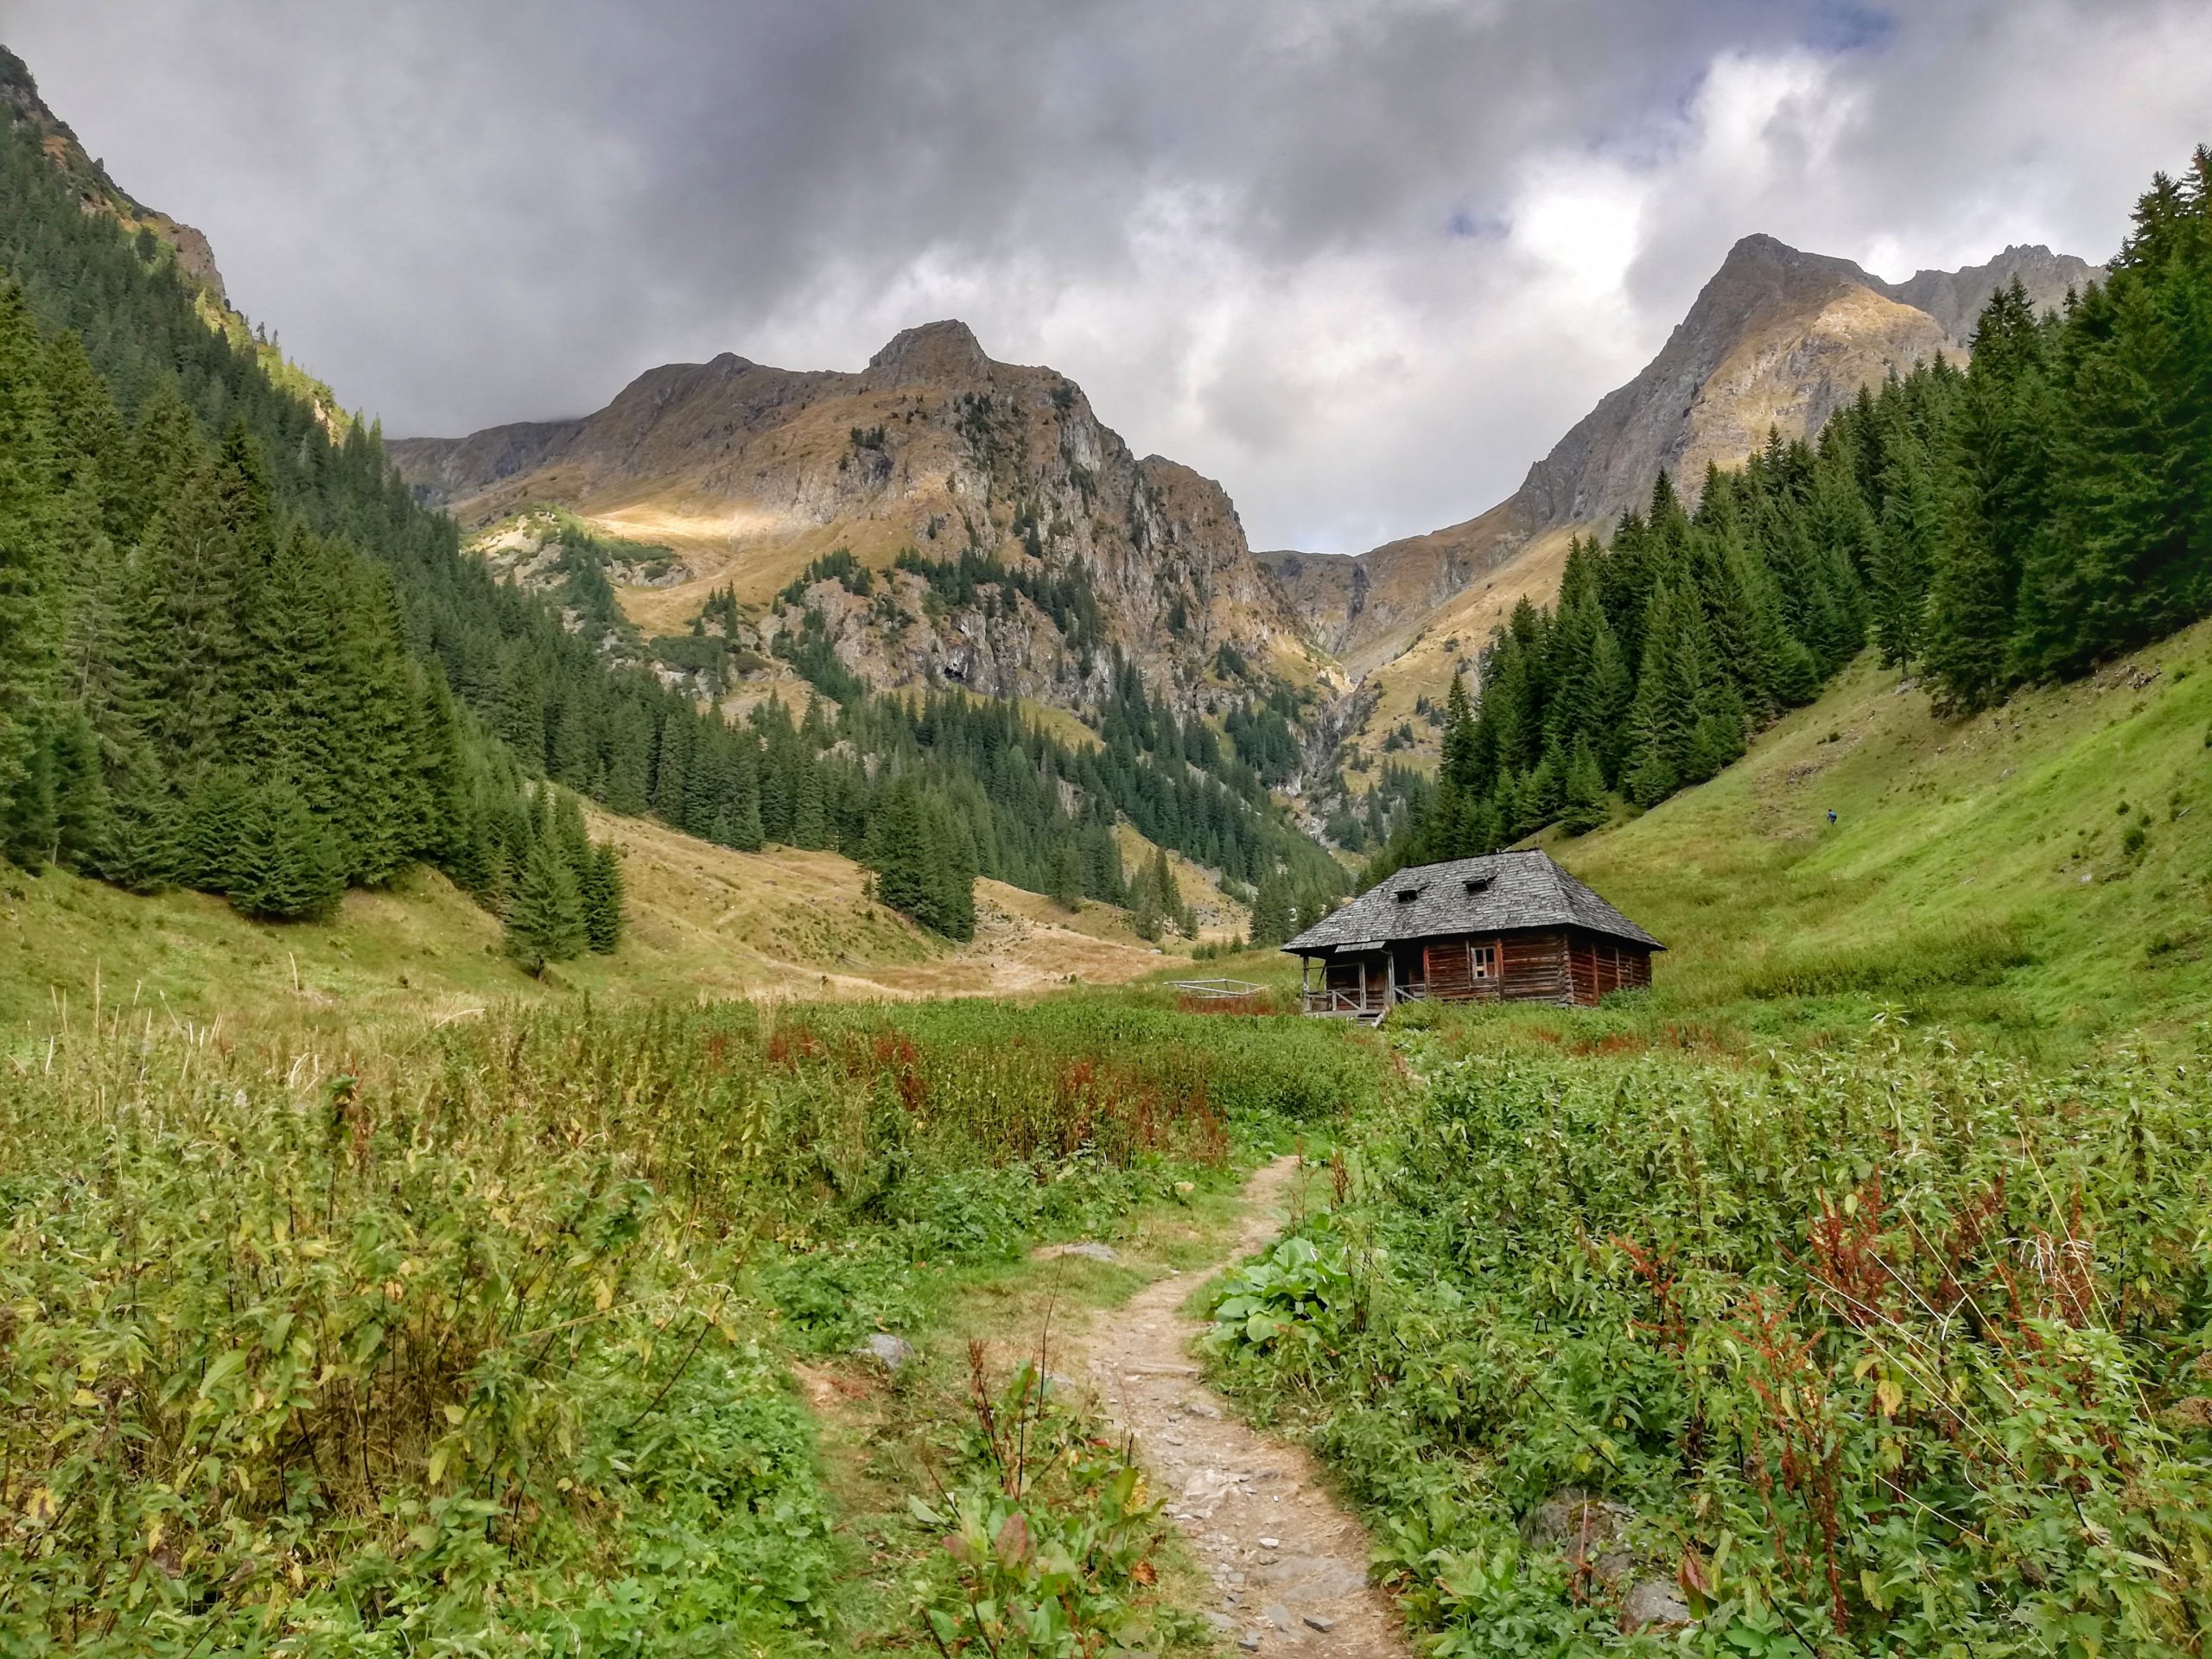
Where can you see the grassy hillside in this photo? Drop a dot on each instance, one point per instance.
(1980, 872)
(705, 921)
(2041, 870)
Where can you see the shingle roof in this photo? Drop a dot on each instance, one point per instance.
(1491, 894)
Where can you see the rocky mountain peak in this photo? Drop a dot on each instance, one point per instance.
(936, 518)
(936, 353)
(21, 105)
(1777, 339)
(1954, 298)
(1760, 249)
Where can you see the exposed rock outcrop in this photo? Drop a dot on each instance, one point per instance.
(934, 453)
(21, 104)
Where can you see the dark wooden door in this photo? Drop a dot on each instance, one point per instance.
(1410, 970)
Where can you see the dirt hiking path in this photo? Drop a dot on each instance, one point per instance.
(1289, 1566)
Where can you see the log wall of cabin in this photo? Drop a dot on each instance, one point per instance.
(1523, 967)
(1451, 969)
(1599, 963)
(1565, 965)
(1533, 968)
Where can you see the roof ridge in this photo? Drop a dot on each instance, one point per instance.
(1420, 901)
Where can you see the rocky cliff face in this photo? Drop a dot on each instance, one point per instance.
(1778, 338)
(1034, 546)
(21, 105)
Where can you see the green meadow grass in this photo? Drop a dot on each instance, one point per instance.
(1981, 873)
(477, 1338)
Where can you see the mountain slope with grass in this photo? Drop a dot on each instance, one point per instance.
(2043, 868)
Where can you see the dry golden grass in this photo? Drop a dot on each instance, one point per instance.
(1425, 667)
(1219, 916)
(705, 922)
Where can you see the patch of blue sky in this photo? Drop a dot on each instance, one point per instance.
(1479, 225)
(1845, 26)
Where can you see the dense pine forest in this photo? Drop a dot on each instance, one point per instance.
(235, 654)
(2016, 522)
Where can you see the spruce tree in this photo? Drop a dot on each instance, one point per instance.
(1167, 896)
(2135, 502)
(544, 919)
(1067, 872)
(28, 626)
(601, 891)
(1904, 552)
(29, 823)
(82, 813)
(903, 852)
(956, 881)
(809, 811)
(282, 867)
(1660, 722)
(1271, 918)
(1970, 617)
(746, 832)
(144, 848)
(1145, 919)
(212, 832)
(1543, 791)
(1612, 695)
(1102, 877)
(1584, 808)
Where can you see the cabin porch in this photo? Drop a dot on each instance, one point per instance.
(1363, 982)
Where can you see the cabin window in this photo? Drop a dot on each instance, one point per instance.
(1482, 961)
(1407, 895)
(1478, 884)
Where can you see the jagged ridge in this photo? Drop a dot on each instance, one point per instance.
(751, 472)
(1778, 337)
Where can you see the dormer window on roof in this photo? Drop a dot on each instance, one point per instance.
(1407, 895)
(1478, 884)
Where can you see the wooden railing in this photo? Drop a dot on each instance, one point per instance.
(1349, 1005)
(1219, 990)
(1352, 1005)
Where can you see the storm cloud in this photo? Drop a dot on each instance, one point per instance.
(1361, 260)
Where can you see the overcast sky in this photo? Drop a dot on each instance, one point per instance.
(1362, 260)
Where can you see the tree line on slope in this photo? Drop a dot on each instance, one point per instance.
(484, 647)
(2046, 508)
(930, 792)
(196, 689)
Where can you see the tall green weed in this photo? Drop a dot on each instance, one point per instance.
(1890, 1352)
(473, 1337)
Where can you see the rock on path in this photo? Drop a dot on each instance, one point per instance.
(1289, 1566)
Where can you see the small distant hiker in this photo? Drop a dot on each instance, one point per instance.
(1830, 815)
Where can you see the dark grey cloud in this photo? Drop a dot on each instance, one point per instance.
(1362, 259)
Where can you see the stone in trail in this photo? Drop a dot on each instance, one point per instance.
(892, 1353)
(1089, 1250)
(1288, 1566)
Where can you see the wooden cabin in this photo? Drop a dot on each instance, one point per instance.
(1510, 926)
